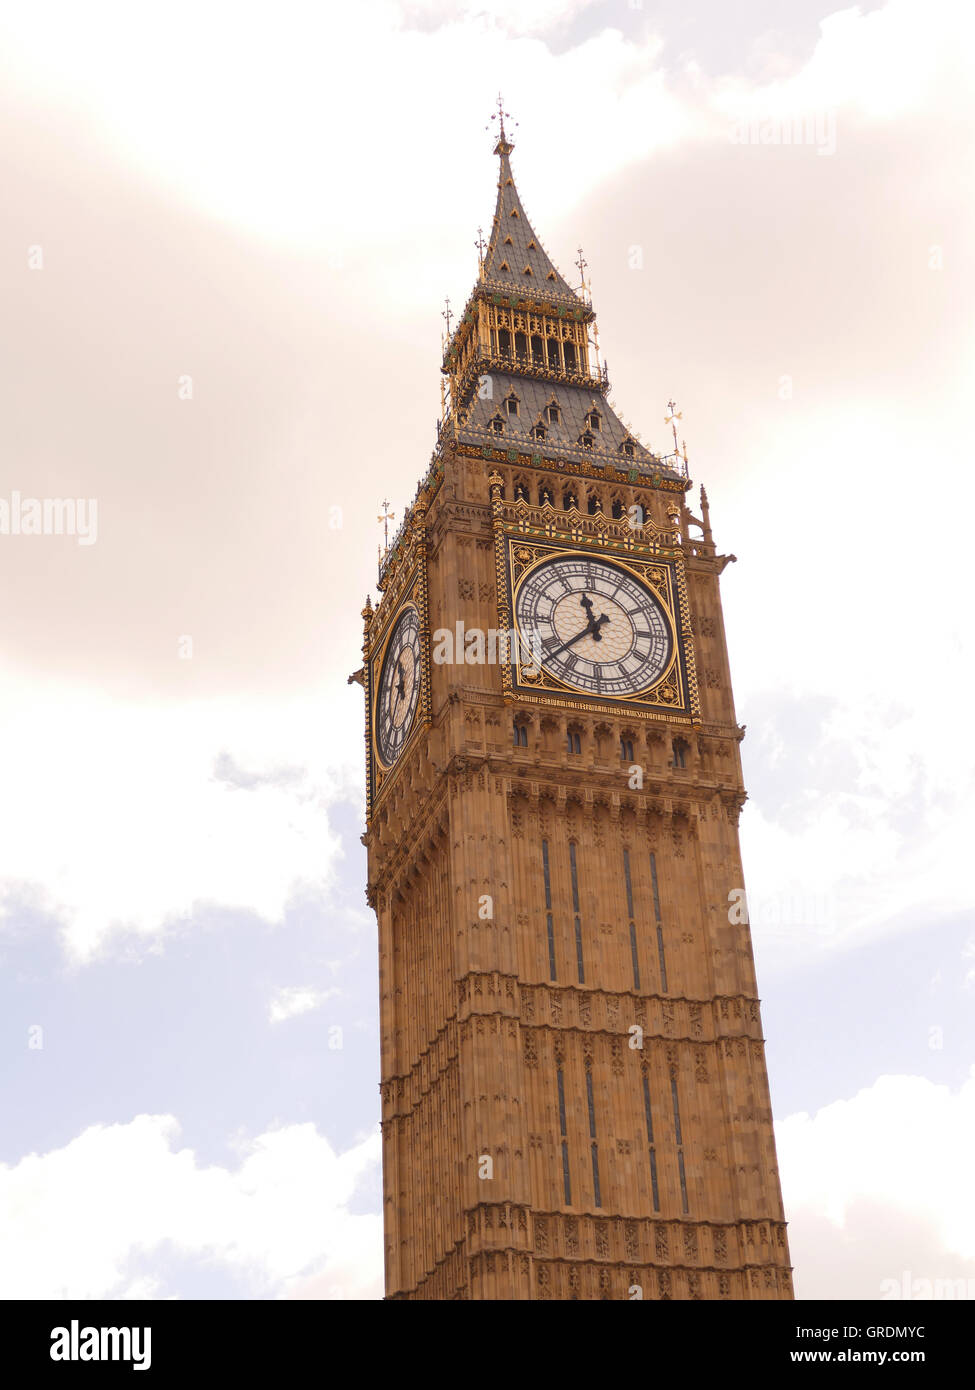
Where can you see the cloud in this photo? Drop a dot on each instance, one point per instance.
(291, 1001)
(878, 1185)
(123, 817)
(72, 1220)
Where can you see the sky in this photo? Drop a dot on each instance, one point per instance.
(228, 234)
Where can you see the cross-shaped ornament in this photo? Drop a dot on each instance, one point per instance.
(499, 116)
(386, 518)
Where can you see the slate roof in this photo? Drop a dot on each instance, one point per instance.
(561, 439)
(514, 244)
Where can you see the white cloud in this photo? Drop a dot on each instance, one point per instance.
(293, 1000)
(72, 1219)
(879, 1185)
(120, 815)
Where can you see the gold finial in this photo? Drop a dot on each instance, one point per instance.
(481, 245)
(448, 316)
(386, 517)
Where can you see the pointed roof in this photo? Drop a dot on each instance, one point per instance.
(516, 262)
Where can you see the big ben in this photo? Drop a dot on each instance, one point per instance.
(575, 1101)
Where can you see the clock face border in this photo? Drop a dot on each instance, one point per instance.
(412, 593)
(380, 668)
(671, 694)
(625, 572)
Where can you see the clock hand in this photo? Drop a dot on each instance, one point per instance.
(586, 602)
(591, 631)
(401, 683)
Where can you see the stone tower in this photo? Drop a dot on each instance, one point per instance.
(574, 1092)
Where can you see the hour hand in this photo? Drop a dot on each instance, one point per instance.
(594, 623)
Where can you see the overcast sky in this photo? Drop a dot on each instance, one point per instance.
(227, 236)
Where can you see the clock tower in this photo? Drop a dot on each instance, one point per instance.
(574, 1093)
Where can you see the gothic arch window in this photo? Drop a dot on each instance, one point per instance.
(594, 504)
(545, 494)
(594, 421)
(617, 508)
(637, 514)
(587, 439)
(504, 342)
(521, 735)
(521, 490)
(552, 412)
(496, 425)
(569, 500)
(628, 448)
(626, 749)
(680, 750)
(537, 431)
(511, 404)
(569, 352)
(573, 741)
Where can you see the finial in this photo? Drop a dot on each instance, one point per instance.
(504, 145)
(386, 517)
(480, 244)
(582, 263)
(448, 316)
(671, 420)
(705, 516)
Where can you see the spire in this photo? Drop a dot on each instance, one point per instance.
(522, 361)
(516, 262)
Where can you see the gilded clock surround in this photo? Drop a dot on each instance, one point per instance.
(506, 1034)
(408, 590)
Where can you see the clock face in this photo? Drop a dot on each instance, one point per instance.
(398, 693)
(600, 629)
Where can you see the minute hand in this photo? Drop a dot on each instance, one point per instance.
(589, 631)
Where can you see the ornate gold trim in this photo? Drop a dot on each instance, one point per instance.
(657, 561)
(412, 592)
